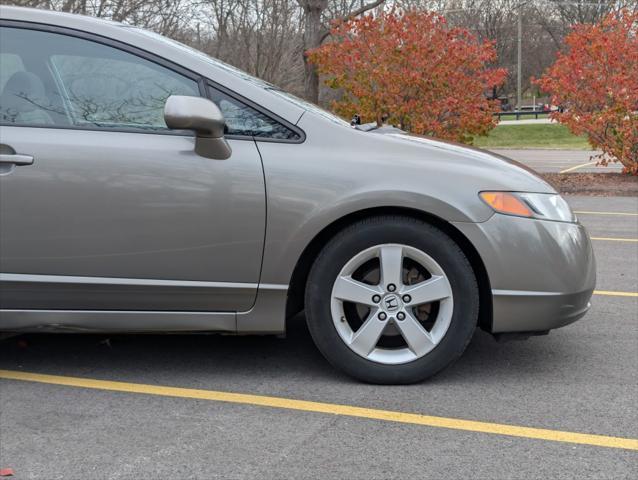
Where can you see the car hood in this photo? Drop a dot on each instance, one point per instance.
(456, 153)
(403, 161)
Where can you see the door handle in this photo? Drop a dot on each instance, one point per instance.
(16, 159)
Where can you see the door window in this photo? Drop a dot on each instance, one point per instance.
(10, 63)
(77, 82)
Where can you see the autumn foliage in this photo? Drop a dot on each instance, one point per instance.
(596, 82)
(413, 69)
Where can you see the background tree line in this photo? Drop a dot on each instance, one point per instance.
(268, 38)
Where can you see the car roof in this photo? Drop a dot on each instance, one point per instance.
(179, 54)
(51, 17)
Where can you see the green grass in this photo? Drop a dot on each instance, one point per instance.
(532, 136)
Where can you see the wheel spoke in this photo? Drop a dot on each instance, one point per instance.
(349, 290)
(417, 337)
(391, 261)
(431, 290)
(366, 338)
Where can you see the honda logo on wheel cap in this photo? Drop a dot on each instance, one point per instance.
(391, 303)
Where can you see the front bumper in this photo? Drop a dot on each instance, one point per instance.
(542, 273)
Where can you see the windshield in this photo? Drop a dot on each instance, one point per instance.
(245, 76)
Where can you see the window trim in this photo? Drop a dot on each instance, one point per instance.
(138, 52)
(204, 85)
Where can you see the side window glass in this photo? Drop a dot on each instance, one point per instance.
(10, 64)
(244, 120)
(73, 81)
(23, 95)
(111, 88)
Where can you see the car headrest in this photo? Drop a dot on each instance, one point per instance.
(23, 92)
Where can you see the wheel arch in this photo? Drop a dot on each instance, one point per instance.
(296, 290)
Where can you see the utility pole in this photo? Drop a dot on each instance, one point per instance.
(519, 69)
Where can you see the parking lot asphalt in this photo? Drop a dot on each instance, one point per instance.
(582, 378)
(554, 161)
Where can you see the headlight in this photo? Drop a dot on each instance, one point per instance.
(544, 206)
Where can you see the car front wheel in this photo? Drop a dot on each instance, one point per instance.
(391, 300)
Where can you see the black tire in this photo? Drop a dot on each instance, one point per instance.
(408, 231)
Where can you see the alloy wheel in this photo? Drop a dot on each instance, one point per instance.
(392, 304)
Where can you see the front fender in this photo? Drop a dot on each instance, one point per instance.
(292, 226)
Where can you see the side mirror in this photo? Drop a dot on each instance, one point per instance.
(202, 116)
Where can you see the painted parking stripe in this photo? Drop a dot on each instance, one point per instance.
(611, 239)
(329, 408)
(585, 212)
(615, 294)
(576, 167)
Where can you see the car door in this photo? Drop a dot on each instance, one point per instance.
(102, 207)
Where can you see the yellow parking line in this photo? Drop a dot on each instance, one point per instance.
(627, 214)
(611, 239)
(577, 167)
(615, 294)
(329, 408)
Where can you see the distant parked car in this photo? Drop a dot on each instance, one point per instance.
(145, 187)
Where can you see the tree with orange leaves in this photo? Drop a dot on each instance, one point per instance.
(413, 69)
(595, 81)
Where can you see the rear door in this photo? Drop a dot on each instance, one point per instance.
(101, 206)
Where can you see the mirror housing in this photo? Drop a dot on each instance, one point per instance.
(202, 116)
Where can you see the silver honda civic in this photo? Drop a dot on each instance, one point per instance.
(146, 187)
